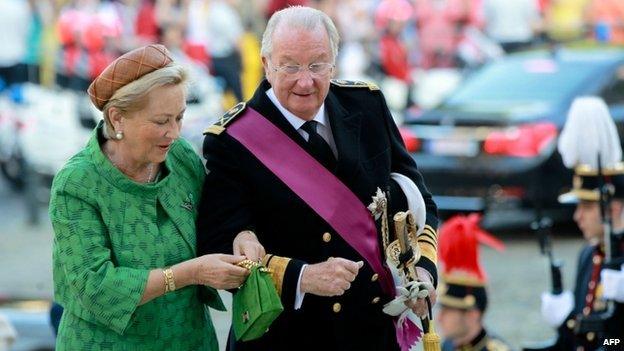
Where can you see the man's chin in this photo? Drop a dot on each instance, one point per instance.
(304, 113)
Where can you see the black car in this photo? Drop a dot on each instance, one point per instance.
(493, 142)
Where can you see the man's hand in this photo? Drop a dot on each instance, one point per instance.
(330, 278)
(246, 244)
(419, 306)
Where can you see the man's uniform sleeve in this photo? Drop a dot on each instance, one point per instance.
(225, 208)
(285, 273)
(404, 164)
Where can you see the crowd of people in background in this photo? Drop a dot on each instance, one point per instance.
(69, 42)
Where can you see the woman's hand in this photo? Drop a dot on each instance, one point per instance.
(220, 271)
(246, 244)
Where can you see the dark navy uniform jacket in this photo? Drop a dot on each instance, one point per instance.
(240, 193)
(586, 289)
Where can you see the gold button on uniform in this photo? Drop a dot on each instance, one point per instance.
(571, 323)
(326, 237)
(376, 299)
(590, 336)
(337, 307)
(374, 277)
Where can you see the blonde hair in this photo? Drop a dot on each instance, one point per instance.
(300, 17)
(133, 96)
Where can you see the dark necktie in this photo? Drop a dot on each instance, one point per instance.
(318, 146)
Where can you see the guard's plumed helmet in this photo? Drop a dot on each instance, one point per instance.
(590, 133)
(464, 280)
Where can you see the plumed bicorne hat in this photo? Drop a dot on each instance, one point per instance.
(590, 133)
(463, 279)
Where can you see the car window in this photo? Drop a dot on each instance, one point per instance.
(535, 84)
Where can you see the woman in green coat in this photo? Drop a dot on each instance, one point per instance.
(123, 211)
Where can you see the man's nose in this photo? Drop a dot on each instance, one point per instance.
(305, 79)
(577, 214)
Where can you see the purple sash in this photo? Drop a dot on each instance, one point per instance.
(315, 185)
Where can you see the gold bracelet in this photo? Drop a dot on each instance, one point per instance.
(169, 281)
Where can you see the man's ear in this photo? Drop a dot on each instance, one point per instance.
(267, 71)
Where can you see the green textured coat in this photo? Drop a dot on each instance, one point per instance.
(109, 233)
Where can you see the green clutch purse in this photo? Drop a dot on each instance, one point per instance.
(256, 304)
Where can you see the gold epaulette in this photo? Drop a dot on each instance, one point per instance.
(227, 117)
(343, 83)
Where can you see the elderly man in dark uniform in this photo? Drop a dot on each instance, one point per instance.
(295, 168)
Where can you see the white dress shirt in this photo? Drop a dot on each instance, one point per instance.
(323, 128)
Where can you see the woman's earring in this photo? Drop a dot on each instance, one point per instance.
(119, 135)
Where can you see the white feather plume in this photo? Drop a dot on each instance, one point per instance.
(589, 130)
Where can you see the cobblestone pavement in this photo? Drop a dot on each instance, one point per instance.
(516, 276)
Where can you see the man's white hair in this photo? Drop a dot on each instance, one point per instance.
(300, 17)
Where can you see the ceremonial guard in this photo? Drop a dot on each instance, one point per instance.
(591, 316)
(463, 296)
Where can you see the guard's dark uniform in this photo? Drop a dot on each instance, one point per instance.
(240, 193)
(587, 302)
(483, 342)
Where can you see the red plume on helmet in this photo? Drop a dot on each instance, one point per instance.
(459, 252)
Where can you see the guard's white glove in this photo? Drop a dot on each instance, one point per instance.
(555, 308)
(613, 284)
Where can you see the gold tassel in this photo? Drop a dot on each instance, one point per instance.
(431, 340)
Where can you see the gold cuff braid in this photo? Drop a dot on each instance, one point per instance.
(427, 241)
(277, 268)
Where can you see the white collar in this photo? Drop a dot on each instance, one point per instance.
(295, 121)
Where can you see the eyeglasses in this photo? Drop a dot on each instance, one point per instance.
(320, 69)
